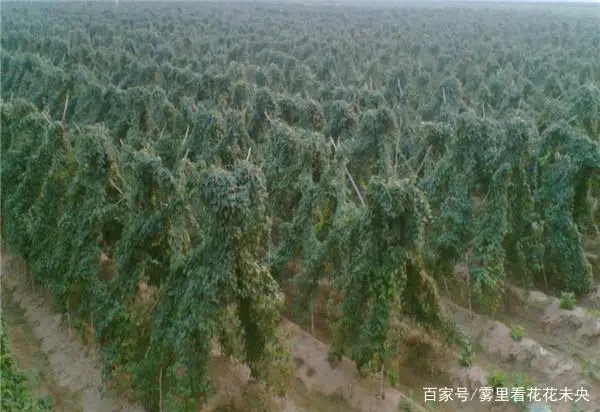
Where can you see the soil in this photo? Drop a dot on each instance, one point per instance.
(554, 348)
(25, 346)
(40, 340)
(70, 372)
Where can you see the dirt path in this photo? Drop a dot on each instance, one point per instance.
(532, 335)
(318, 387)
(32, 362)
(72, 376)
(317, 375)
(552, 352)
(40, 341)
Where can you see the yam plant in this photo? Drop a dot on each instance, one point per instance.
(164, 166)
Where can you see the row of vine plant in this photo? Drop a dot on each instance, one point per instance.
(199, 235)
(206, 198)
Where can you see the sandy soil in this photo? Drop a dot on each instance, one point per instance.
(559, 348)
(69, 366)
(32, 362)
(74, 372)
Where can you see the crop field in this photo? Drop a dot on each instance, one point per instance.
(269, 207)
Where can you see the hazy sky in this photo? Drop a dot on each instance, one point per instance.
(399, 2)
(411, 1)
(424, 1)
(446, 1)
(341, 2)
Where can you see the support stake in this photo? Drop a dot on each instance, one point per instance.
(312, 317)
(160, 402)
(68, 319)
(381, 391)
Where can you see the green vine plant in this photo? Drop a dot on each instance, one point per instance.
(159, 178)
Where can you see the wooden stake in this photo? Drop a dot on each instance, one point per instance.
(187, 130)
(381, 391)
(160, 390)
(423, 162)
(469, 287)
(355, 187)
(396, 152)
(349, 175)
(68, 319)
(446, 285)
(115, 186)
(64, 116)
(312, 317)
(92, 342)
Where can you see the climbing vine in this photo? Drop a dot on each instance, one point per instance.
(167, 178)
